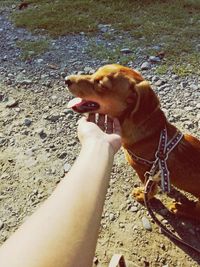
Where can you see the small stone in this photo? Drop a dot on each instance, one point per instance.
(12, 103)
(27, 121)
(121, 225)
(146, 224)
(194, 87)
(154, 59)
(26, 82)
(126, 51)
(183, 85)
(41, 133)
(66, 167)
(53, 117)
(62, 155)
(5, 58)
(198, 47)
(112, 217)
(145, 66)
(163, 246)
(1, 224)
(198, 105)
(95, 260)
(163, 212)
(134, 209)
(1, 97)
(89, 70)
(155, 78)
(189, 108)
(198, 116)
(40, 60)
(159, 82)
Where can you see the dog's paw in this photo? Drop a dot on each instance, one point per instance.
(138, 194)
(174, 207)
(181, 209)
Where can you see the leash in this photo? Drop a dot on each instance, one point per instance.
(159, 170)
(148, 187)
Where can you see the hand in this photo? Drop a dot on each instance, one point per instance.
(100, 128)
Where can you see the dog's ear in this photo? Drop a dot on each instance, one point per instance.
(133, 73)
(103, 83)
(147, 101)
(132, 97)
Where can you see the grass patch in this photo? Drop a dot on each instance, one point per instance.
(172, 23)
(31, 49)
(109, 53)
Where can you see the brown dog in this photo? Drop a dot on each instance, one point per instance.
(122, 93)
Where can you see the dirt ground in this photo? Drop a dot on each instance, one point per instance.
(31, 164)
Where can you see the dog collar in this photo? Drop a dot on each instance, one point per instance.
(159, 165)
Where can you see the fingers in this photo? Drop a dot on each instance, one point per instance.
(101, 122)
(117, 127)
(104, 122)
(109, 128)
(91, 117)
(81, 120)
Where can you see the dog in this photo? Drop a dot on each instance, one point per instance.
(122, 93)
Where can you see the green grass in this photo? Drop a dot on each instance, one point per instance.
(31, 49)
(110, 54)
(174, 24)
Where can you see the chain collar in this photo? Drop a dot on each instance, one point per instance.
(159, 165)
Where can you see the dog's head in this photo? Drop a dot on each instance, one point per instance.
(111, 90)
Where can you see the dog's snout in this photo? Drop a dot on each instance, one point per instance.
(68, 82)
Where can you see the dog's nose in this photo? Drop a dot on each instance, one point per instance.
(68, 82)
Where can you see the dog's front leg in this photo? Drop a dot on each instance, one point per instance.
(138, 192)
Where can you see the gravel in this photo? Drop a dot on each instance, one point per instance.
(38, 142)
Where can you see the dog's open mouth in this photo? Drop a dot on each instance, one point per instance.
(82, 106)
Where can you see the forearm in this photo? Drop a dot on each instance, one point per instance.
(63, 231)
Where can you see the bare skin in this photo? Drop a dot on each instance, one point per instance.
(63, 232)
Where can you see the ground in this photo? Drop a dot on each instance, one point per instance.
(38, 144)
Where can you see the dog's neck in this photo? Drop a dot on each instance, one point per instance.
(142, 137)
(134, 131)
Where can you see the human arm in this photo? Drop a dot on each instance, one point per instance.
(63, 231)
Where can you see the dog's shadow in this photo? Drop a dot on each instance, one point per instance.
(187, 230)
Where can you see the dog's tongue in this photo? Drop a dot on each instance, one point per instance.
(82, 106)
(74, 102)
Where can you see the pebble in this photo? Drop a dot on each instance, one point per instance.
(159, 83)
(76, 44)
(12, 103)
(95, 260)
(154, 59)
(112, 217)
(1, 224)
(126, 51)
(89, 70)
(145, 66)
(198, 105)
(134, 209)
(193, 87)
(66, 167)
(27, 121)
(146, 224)
(25, 82)
(62, 155)
(53, 117)
(41, 133)
(40, 60)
